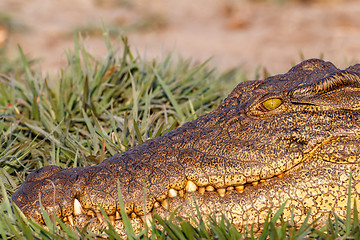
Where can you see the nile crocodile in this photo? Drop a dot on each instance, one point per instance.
(291, 138)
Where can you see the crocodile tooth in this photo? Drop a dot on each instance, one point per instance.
(165, 204)
(91, 213)
(133, 215)
(172, 193)
(255, 183)
(240, 188)
(112, 219)
(181, 193)
(156, 204)
(230, 188)
(71, 220)
(201, 190)
(263, 180)
(117, 216)
(190, 186)
(99, 218)
(221, 191)
(210, 188)
(77, 207)
(148, 219)
(280, 175)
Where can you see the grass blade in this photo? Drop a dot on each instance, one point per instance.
(128, 227)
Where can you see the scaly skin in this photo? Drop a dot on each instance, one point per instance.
(291, 137)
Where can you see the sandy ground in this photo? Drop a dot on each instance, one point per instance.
(235, 33)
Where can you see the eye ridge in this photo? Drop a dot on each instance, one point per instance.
(271, 104)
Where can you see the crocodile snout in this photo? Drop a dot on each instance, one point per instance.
(53, 187)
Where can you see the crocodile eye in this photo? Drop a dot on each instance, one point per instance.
(272, 103)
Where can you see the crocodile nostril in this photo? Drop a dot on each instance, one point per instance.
(42, 173)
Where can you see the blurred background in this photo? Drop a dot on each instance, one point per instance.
(274, 34)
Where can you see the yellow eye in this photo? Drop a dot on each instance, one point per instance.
(272, 103)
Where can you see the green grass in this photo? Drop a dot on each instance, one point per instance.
(97, 108)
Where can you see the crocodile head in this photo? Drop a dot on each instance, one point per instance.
(290, 138)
